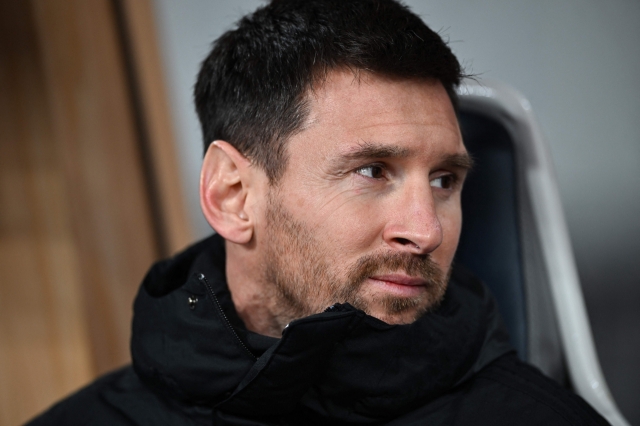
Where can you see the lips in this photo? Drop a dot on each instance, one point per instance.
(399, 284)
(400, 279)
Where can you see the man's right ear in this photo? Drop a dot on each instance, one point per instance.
(224, 183)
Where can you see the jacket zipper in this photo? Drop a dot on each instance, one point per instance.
(204, 281)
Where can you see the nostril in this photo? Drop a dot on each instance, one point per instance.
(406, 242)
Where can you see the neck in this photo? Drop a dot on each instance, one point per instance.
(254, 300)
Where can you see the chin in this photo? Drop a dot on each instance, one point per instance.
(397, 319)
(407, 316)
(401, 310)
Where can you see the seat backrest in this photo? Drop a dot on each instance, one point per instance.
(500, 242)
(490, 239)
(514, 238)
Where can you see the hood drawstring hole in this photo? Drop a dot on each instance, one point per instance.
(193, 301)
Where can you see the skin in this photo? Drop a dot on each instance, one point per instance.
(367, 211)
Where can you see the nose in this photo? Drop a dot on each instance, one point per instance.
(413, 225)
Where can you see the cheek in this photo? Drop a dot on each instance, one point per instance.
(358, 229)
(450, 217)
(335, 207)
(350, 225)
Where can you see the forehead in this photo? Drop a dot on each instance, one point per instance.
(347, 110)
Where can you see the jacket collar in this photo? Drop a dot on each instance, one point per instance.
(189, 343)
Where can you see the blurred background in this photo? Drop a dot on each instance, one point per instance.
(100, 153)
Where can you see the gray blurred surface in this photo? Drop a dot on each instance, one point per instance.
(578, 63)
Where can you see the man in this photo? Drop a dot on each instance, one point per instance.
(332, 176)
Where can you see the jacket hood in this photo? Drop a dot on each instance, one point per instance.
(189, 344)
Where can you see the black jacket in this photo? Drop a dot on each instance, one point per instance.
(195, 363)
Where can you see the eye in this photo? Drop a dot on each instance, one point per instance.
(374, 171)
(444, 182)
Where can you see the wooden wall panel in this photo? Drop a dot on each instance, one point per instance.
(85, 155)
(94, 130)
(138, 25)
(44, 345)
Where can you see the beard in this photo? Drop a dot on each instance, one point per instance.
(302, 279)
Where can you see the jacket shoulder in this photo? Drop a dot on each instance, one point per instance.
(117, 398)
(86, 406)
(507, 392)
(528, 389)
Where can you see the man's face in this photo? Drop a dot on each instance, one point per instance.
(368, 209)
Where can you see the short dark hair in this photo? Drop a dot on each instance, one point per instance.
(252, 89)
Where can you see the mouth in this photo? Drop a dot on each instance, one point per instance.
(399, 284)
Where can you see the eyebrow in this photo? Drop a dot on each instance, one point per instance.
(373, 150)
(460, 161)
(367, 150)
